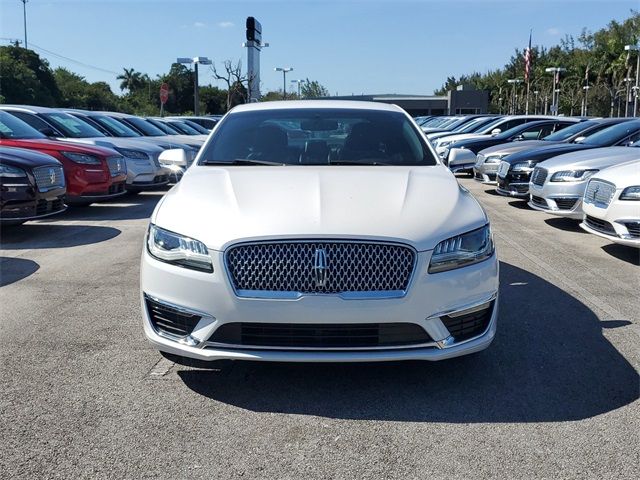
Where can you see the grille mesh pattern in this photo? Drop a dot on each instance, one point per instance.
(539, 176)
(599, 193)
(600, 225)
(351, 267)
(633, 228)
(117, 166)
(565, 203)
(171, 320)
(48, 178)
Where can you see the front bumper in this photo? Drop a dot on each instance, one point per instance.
(619, 222)
(22, 202)
(514, 185)
(430, 298)
(558, 198)
(485, 172)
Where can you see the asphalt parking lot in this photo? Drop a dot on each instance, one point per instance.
(84, 396)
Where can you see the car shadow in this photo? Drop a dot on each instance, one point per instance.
(623, 252)
(493, 192)
(15, 269)
(127, 207)
(41, 235)
(565, 224)
(521, 204)
(549, 362)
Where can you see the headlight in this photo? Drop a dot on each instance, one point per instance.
(13, 172)
(572, 175)
(179, 250)
(82, 158)
(462, 250)
(135, 154)
(521, 167)
(494, 159)
(631, 193)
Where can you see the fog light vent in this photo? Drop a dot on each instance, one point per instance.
(169, 319)
(469, 323)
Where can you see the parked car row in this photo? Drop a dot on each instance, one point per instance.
(88, 157)
(585, 169)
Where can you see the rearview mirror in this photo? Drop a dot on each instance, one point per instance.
(495, 132)
(174, 156)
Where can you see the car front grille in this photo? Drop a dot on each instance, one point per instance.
(49, 178)
(539, 176)
(319, 336)
(470, 325)
(599, 193)
(480, 158)
(170, 320)
(600, 225)
(503, 169)
(320, 267)
(633, 228)
(565, 203)
(539, 202)
(117, 166)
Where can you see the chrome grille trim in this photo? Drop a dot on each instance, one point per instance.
(117, 166)
(539, 176)
(48, 178)
(599, 193)
(284, 269)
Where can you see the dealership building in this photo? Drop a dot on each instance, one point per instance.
(463, 100)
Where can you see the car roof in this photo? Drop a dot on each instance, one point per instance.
(29, 108)
(302, 104)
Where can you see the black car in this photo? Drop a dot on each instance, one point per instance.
(515, 170)
(31, 186)
(527, 131)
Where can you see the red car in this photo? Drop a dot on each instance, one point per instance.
(91, 173)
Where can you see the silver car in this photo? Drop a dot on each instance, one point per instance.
(489, 159)
(557, 185)
(144, 171)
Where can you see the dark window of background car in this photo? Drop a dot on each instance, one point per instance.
(34, 121)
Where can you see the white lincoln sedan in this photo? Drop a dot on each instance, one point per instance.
(319, 231)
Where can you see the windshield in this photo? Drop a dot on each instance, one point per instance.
(114, 127)
(145, 127)
(199, 128)
(318, 136)
(14, 128)
(569, 132)
(183, 128)
(71, 126)
(612, 135)
(476, 125)
(165, 127)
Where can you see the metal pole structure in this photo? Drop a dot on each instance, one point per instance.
(535, 107)
(195, 61)
(635, 48)
(555, 98)
(24, 13)
(284, 71)
(514, 82)
(586, 100)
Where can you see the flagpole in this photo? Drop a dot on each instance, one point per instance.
(528, 67)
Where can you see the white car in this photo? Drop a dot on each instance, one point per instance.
(611, 204)
(349, 243)
(558, 184)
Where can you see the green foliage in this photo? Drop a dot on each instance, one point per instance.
(594, 59)
(313, 89)
(26, 78)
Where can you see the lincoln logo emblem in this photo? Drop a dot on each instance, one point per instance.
(320, 267)
(52, 175)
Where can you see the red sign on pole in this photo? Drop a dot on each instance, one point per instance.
(164, 93)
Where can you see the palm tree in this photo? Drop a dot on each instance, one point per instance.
(131, 80)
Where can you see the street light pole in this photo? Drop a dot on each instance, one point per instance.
(24, 14)
(586, 99)
(514, 82)
(299, 83)
(535, 108)
(284, 71)
(634, 48)
(555, 100)
(195, 61)
(627, 80)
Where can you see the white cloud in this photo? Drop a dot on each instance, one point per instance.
(199, 25)
(553, 31)
(225, 24)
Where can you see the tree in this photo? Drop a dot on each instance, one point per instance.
(26, 78)
(313, 89)
(235, 81)
(131, 80)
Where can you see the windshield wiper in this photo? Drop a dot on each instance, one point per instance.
(244, 161)
(363, 161)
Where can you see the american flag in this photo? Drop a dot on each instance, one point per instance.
(528, 57)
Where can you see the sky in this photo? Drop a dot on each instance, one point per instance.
(349, 46)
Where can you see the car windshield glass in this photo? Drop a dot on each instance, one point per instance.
(198, 128)
(612, 135)
(568, 132)
(165, 127)
(71, 126)
(476, 125)
(114, 127)
(183, 128)
(12, 127)
(491, 125)
(318, 136)
(145, 127)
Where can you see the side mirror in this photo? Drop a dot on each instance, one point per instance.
(48, 131)
(495, 132)
(579, 139)
(174, 156)
(518, 138)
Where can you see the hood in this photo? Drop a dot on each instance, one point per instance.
(42, 144)
(541, 154)
(23, 158)
(622, 175)
(179, 141)
(513, 147)
(223, 205)
(596, 158)
(121, 142)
